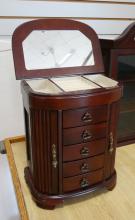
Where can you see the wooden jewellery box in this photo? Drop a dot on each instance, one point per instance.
(70, 109)
(119, 59)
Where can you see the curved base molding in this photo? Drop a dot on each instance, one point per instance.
(111, 182)
(51, 201)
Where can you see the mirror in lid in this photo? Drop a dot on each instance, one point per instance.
(68, 105)
(56, 49)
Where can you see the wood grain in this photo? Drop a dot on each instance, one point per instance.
(15, 177)
(116, 204)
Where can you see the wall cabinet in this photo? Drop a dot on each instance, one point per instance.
(119, 60)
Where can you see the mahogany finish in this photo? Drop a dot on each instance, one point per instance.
(82, 181)
(70, 137)
(124, 45)
(84, 150)
(83, 166)
(84, 134)
(84, 116)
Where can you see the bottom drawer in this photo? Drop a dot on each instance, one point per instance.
(82, 181)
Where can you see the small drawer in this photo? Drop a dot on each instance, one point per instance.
(83, 166)
(82, 181)
(83, 134)
(84, 150)
(84, 116)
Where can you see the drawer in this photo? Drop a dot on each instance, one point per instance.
(82, 181)
(84, 116)
(83, 134)
(84, 150)
(83, 166)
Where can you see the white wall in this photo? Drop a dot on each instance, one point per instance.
(15, 12)
(11, 115)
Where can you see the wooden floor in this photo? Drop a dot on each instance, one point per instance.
(118, 204)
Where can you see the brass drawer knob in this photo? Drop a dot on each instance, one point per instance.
(84, 168)
(84, 152)
(84, 183)
(87, 117)
(86, 136)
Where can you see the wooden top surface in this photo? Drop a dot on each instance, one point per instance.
(118, 204)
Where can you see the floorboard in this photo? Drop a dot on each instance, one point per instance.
(118, 204)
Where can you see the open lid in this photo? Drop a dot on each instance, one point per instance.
(55, 47)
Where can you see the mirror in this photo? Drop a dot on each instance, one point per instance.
(46, 49)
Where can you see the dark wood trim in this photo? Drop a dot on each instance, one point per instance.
(60, 144)
(54, 141)
(126, 141)
(72, 102)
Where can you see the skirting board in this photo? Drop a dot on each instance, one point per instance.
(116, 204)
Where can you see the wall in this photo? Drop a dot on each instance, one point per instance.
(109, 20)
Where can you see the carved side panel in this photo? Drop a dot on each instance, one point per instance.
(54, 152)
(113, 128)
(43, 127)
(26, 119)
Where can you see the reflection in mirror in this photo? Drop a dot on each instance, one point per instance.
(57, 48)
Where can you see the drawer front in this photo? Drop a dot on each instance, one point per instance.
(83, 166)
(82, 181)
(83, 134)
(84, 116)
(84, 150)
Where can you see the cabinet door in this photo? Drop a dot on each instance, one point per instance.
(44, 150)
(53, 152)
(124, 71)
(111, 139)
